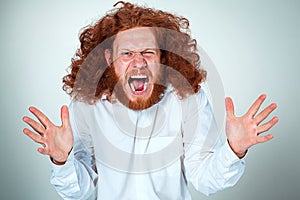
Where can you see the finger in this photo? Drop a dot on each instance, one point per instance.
(229, 107)
(256, 105)
(43, 151)
(35, 125)
(65, 116)
(265, 113)
(37, 138)
(265, 127)
(41, 117)
(262, 139)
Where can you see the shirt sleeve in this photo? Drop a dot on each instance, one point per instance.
(210, 165)
(77, 178)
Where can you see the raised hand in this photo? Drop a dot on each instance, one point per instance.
(57, 141)
(244, 132)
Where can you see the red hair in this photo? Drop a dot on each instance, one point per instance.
(178, 52)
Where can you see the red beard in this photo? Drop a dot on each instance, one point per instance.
(116, 89)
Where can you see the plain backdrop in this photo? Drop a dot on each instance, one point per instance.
(255, 48)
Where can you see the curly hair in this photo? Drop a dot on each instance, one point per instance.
(178, 51)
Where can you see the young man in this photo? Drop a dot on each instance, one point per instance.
(140, 126)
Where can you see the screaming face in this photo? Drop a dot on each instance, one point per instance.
(136, 64)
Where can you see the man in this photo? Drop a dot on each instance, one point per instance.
(140, 125)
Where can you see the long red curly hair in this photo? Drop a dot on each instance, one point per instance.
(89, 78)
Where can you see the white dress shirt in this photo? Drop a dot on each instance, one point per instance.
(121, 154)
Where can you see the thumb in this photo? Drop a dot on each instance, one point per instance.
(64, 114)
(229, 107)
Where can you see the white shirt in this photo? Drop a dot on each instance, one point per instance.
(152, 154)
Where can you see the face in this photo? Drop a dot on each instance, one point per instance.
(136, 62)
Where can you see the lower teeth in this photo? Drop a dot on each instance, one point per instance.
(133, 88)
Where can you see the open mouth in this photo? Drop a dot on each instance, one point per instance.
(138, 84)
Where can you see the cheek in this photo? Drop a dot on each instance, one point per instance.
(155, 69)
(120, 68)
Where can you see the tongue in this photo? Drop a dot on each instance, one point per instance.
(138, 85)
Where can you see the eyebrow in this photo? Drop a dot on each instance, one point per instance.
(126, 49)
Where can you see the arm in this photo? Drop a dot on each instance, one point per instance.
(77, 178)
(73, 172)
(211, 168)
(209, 164)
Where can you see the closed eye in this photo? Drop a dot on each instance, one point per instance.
(148, 52)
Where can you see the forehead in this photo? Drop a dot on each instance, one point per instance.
(135, 39)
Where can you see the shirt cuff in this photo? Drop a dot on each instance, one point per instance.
(68, 166)
(229, 156)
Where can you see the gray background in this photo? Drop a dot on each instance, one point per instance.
(254, 45)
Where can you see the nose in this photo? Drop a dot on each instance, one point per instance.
(138, 60)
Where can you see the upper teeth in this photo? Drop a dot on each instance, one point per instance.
(138, 76)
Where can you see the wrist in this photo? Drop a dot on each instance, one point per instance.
(240, 154)
(63, 160)
(57, 162)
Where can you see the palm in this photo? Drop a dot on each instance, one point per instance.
(57, 141)
(244, 132)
